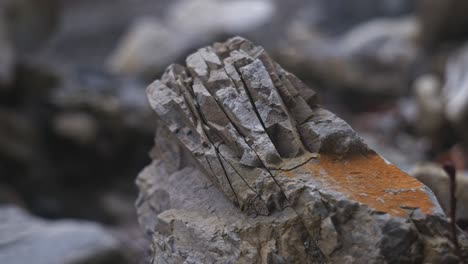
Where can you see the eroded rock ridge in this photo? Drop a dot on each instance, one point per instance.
(248, 168)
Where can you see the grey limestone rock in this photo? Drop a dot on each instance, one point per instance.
(247, 168)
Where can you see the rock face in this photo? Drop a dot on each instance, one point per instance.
(247, 168)
(27, 239)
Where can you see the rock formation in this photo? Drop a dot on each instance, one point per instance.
(247, 168)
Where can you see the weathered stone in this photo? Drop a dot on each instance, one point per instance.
(402, 150)
(24, 238)
(315, 194)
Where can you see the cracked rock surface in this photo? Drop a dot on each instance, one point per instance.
(247, 168)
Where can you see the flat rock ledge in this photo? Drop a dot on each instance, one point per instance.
(247, 168)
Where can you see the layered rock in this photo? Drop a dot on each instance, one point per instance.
(247, 168)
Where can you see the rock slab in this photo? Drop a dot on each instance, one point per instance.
(247, 168)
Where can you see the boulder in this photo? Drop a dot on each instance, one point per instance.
(247, 168)
(25, 239)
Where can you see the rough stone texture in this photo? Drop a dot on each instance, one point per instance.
(27, 239)
(247, 168)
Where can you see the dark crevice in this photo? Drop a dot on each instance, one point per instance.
(299, 165)
(266, 168)
(257, 195)
(252, 102)
(200, 114)
(261, 161)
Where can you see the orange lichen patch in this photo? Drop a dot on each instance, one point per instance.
(371, 181)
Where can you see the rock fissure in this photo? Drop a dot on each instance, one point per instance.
(263, 146)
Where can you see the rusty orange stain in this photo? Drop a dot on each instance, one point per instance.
(371, 181)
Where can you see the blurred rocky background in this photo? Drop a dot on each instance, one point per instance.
(75, 126)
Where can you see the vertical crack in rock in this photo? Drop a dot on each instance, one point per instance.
(265, 175)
